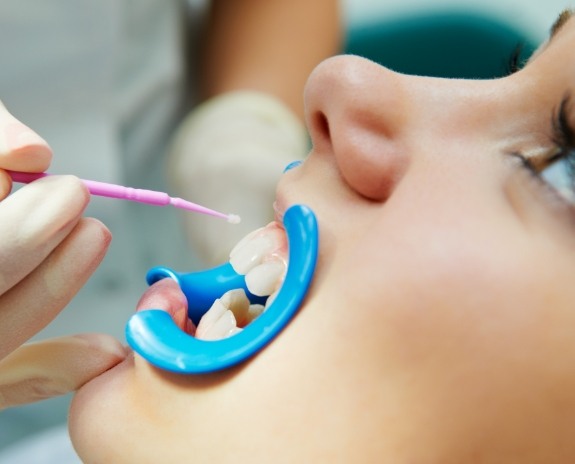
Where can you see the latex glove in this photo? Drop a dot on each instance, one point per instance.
(229, 155)
(47, 252)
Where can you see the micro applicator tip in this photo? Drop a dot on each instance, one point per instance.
(234, 219)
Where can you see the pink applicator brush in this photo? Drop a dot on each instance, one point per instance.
(149, 197)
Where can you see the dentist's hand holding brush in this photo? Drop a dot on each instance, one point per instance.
(47, 252)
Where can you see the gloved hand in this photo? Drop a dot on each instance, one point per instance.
(228, 155)
(47, 252)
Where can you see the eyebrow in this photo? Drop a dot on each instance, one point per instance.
(563, 17)
(561, 20)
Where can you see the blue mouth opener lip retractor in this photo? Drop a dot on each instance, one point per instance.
(155, 336)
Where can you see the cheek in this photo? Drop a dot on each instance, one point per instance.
(440, 304)
(466, 332)
(432, 293)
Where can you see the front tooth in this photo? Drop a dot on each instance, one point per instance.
(245, 240)
(254, 311)
(222, 328)
(266, 278)
(239, 304)
(234, 299)
(226, 315)
(217, 310)
(251, 254)
(252, 250)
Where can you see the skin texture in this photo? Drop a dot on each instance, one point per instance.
(439, 327)
(47, 252)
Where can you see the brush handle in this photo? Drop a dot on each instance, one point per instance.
(149, 197)
(26, 177)
(103, 189)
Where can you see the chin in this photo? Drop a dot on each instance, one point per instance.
(98, 413)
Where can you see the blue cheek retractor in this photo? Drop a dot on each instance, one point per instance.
(154, 335)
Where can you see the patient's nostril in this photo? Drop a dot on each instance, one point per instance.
(321, 126)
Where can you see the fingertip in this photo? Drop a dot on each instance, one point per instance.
(69, 186)
(47, 209)
(22, 149)
(100, 234)
(112, 350)
(99, 228)
(65, 194)
(93, 239)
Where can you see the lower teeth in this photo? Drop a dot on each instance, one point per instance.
(227, 316)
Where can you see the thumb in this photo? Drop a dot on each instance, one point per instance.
(21, 149)
(41, 370)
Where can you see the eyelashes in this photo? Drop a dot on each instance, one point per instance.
(557, 172)
(563, 132)
(515, 62)
(564, 138)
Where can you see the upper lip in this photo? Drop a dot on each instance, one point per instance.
(279, 210)
(282, 203)
(278, 213)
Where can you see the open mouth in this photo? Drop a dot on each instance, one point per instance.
(261, 257)
(237, 308)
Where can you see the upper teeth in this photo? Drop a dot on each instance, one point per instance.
(266, 278)
(253, 249)
(261, 256)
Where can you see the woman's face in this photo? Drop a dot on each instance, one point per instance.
(440, 326)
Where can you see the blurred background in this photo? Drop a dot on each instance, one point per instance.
(441, 38)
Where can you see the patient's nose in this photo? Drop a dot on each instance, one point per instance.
(356, 111)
